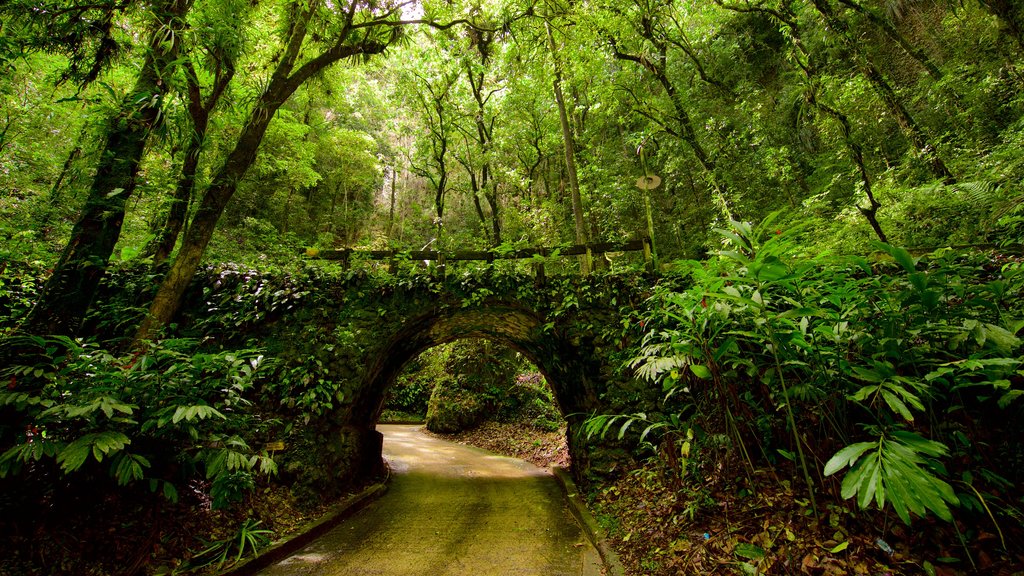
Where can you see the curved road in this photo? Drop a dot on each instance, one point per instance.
(452, 510)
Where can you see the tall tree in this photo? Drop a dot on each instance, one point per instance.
(569, 147)
(788, 19)
(479, 138)
(652, 51)
(432, 90)
(70, 290)
(911, 127)
(316, 37)
(356, 32)
(218, 50)
(1011, 14)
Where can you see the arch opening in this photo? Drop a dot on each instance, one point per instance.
(484, 393)
(507, 324)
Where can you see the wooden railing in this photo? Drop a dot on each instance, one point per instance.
(586, 251)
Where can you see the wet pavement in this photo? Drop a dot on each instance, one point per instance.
(451, 510)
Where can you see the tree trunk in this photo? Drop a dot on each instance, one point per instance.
(492, 199)
(345, 211)
(54, 198)
(71, 289)
(874, 76)
(570, 153)
(474, 190)
(282, 85)
(442, 184)
(287, 209)
(199, 111)
(870, 212)
(1010, 13)
(684, 129)
(889, 30)
(334, 206)
(391, 210)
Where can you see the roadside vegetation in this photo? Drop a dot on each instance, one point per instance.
(826, 414)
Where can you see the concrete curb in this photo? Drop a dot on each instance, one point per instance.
(595, 534)
(311, 531)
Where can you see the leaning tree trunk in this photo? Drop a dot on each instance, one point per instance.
(902, 41)
(283, 83)
(802, 58)
(886, 93)
(71, 289)
(1011, 14)
(683, 129)
(162, 246)
(55, 191)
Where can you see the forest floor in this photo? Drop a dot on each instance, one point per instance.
(762, 524)
(541, 447)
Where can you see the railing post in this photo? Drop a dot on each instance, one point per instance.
(588, 260)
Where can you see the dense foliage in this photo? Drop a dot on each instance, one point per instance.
(456, 386)
(864, 332)
(902, 375)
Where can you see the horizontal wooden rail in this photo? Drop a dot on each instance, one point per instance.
(485, 255)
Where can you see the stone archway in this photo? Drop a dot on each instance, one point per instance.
(339, 342)
(570, 373)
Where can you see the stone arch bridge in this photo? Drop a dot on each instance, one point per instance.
(353, 332)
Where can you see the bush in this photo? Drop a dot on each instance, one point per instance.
(158, 417)
(477, 378)
(883, 364)
(454, 410)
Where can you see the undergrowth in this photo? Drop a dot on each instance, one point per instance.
(885, 382)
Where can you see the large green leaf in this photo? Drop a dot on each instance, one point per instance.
(847, 456)
(900, 255)
(99, 444)
(895, 470)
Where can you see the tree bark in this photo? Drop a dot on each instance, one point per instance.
(71, 289)
(334, 206)
(870, 212)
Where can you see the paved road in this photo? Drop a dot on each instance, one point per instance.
(452, 510)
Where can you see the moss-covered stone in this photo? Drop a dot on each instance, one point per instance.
(339, 343)
(453, 410)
